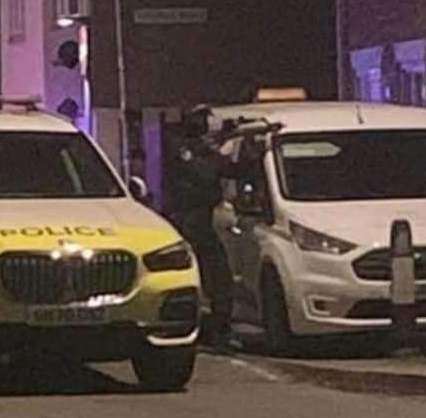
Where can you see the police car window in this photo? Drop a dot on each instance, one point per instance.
(52, 165)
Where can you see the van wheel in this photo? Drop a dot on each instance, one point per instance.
(275, 318)
(164, 368)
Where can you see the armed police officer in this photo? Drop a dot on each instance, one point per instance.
(197, 187)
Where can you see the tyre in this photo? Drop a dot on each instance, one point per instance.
(164, 369)
(275, 317)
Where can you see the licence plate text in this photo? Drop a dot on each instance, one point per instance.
(66, 316)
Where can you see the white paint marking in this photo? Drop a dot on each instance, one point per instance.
(254, 369)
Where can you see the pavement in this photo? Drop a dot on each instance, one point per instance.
(410, 363)
(373, 355)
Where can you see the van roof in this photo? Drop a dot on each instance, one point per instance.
(310, 116)
(34, 121)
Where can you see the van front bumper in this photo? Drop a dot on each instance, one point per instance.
(325, 296)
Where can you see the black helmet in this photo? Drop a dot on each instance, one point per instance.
(196, 121)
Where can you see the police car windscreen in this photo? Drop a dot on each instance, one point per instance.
(353, 165)
(53, 165)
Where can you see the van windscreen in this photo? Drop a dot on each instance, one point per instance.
(353, 165)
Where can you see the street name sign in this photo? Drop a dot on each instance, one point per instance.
(170, 16)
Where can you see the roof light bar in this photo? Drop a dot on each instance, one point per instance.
(28, 102)
(281, 94)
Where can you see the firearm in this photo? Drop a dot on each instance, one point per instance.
(201, 139)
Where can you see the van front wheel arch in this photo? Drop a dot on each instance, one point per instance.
(278, 335)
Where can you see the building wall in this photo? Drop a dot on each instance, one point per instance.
(106, 130)
(387, 62)
(104, 80)
(60, 82)
(375, 22)
(23, 57)
(28, 59)
(242, 43)
(103, 57)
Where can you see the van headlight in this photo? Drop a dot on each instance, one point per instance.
(174, 257)
(310, 240)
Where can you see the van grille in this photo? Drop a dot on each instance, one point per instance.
(376, 265)
(381, 309)
(35, 278)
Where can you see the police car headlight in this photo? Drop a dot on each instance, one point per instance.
(310, 240)
(174, 257)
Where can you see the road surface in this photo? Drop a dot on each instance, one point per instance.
(244, 385)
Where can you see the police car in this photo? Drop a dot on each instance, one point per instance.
(308, 233)
(85, 269)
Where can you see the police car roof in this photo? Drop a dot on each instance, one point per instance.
(311, 116)
(34, 121)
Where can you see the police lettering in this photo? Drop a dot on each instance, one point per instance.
(81, 230)
(32, 232)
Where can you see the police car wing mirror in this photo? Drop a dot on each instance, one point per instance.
(138, 189)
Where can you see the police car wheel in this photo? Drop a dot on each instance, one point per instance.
(275, 317)
(164, 368)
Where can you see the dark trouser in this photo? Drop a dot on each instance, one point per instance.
(216, 277)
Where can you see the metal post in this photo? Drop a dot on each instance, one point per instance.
(340, 28)
(403, 279)
(125, 166)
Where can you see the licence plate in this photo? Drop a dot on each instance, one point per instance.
(42, 315)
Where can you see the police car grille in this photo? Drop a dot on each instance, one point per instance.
(376, 265)
(35, 278)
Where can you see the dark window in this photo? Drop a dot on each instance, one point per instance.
(16, 19)
(73, 7)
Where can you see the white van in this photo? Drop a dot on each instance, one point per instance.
(308, 234)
